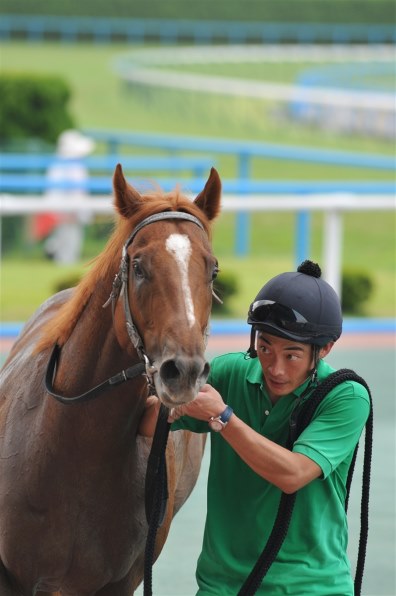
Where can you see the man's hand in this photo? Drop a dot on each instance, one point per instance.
(208, 403)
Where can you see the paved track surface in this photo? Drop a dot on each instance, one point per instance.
(373, 357)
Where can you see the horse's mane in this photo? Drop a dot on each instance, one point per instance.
(104, 267)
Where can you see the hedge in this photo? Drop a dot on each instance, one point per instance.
(33, 106)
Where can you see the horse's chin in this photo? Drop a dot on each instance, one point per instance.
(172, 401)
(177, 398)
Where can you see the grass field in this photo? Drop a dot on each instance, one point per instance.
(100, 101)
(369, 246)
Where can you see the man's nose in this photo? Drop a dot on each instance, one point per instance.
(276, 367)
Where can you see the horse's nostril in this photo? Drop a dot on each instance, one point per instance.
(183, 369)
(169, 370)
(206, 370)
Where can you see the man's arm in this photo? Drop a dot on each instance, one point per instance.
(287, 470)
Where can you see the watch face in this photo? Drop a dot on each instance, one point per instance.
(216, 425)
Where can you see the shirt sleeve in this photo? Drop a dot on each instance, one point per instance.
(335, 429)
(188, 423)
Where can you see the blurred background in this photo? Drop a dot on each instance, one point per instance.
(293, 101)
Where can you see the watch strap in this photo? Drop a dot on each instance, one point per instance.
(226, 415)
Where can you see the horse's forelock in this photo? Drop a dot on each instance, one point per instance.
(158, 202)
(106, 264)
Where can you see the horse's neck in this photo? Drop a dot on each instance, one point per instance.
(94, 340)
(91, 355)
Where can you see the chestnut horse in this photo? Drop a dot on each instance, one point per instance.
(72, 517)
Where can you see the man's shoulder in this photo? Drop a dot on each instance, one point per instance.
(231, 360)
(349, 387)
(233, 363)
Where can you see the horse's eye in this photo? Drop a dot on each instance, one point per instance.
(215, 272)
(137, 269)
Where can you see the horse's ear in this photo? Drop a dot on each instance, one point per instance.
(208, 199)
(127, 200)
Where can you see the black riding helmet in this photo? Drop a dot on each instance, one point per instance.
(299, 306)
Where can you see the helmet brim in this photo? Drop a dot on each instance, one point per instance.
(274, 330)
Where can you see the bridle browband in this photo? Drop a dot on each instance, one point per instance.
(120, 288)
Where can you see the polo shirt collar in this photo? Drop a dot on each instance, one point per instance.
(255, 372)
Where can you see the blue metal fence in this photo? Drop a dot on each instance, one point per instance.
(38, 183)
(244, 151)
(243, 184)
(198, 165)
(104, 30)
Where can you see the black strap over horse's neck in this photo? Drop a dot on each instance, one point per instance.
(125, 375)
(300, 421)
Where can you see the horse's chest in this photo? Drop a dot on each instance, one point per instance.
(91, 527)
(82, 549)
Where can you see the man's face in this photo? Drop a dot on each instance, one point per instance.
(286, 363)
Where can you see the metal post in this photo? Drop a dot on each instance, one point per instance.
(242, 240)
(303, 236)
(332, 249)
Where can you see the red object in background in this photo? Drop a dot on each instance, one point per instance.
(43, 224)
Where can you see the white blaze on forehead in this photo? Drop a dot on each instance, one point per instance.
(179, 246)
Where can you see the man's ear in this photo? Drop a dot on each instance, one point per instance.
(326, 349)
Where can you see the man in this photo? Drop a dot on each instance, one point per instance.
(247, 404)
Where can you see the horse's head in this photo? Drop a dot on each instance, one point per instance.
(168, 269)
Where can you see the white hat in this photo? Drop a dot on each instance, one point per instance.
(72, 143)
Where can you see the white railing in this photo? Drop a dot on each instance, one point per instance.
(333, 205)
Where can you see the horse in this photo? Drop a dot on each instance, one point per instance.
(72, 469)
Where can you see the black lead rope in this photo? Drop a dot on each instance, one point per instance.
(287, 501)
(121, 377)
(156, 493)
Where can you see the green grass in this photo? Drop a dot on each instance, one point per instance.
(369, 245)
(101, 101)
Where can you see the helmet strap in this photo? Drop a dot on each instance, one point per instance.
(315, 356)
(252, 352)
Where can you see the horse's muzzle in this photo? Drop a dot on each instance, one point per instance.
(179, 379)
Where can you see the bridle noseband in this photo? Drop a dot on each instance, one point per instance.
(120, 288)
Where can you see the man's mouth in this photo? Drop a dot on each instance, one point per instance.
(276, 383)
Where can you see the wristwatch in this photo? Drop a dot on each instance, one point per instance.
(217, 423)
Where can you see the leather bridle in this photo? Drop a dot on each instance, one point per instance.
(119, 288)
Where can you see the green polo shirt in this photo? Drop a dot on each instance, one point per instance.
(241, 506)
